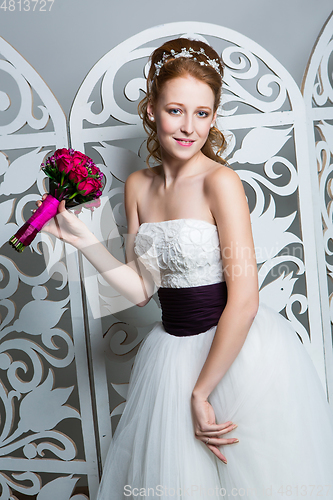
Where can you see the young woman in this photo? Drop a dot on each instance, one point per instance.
(217, 360)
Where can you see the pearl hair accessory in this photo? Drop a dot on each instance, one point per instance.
(187, 53)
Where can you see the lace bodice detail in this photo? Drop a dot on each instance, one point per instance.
(180, 253)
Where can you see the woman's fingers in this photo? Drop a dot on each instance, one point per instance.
(62, 206)
(216, 430)
(211, 438)
(220, 441)
(207, 430)
(217, 452)
(39, 202)
(214, 443)
(216, 440)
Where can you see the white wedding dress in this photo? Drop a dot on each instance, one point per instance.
(272, 391)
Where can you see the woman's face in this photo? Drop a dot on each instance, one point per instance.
(183, 113)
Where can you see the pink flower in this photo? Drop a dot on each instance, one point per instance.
(94, 170)
(63, 160)
(78, 174)
(88, 186)
(79, 159)
(67, 160)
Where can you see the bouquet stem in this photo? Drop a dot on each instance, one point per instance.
(35, 223)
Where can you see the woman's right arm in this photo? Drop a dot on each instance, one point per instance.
(135, 184)
(125, 278)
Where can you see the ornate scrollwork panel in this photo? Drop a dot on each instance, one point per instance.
(45, 424)
(317, 88)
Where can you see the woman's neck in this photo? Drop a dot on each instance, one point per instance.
(173, 170)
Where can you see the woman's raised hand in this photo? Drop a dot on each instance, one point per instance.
(122, 277)
(66, 226)
(206, 429)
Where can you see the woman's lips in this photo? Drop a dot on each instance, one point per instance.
(184, 142)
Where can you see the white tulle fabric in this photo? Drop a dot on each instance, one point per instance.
(272, 391)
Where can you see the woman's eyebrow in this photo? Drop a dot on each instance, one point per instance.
(181, 104)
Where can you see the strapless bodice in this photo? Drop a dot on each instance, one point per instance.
(180, 253)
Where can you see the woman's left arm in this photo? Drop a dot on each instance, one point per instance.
(228, 204)
(229, 207)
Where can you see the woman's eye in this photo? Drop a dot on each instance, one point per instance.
(174, 111)
(202, 114)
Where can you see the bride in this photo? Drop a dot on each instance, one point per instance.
(223, 398)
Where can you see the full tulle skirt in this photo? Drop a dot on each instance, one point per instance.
(272, 391)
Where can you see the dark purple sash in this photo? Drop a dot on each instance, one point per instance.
(192, 310)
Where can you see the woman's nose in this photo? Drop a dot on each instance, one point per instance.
(187, 125)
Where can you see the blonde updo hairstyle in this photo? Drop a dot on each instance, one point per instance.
(181, 67)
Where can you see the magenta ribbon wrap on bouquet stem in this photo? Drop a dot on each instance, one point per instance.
(35, 223)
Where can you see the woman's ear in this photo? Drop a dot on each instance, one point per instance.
(150, 111)
(214, 119)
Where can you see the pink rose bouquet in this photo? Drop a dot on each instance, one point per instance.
(73, 177)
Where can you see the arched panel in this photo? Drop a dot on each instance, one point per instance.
(317, 89)
(46, 427)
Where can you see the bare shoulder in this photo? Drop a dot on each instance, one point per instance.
(225, 196)
(222, 179)
(141, 177)
(136, 186)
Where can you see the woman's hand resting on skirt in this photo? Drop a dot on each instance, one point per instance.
(206, 429)
(66, 226)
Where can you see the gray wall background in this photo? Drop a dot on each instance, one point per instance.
(64, 43)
